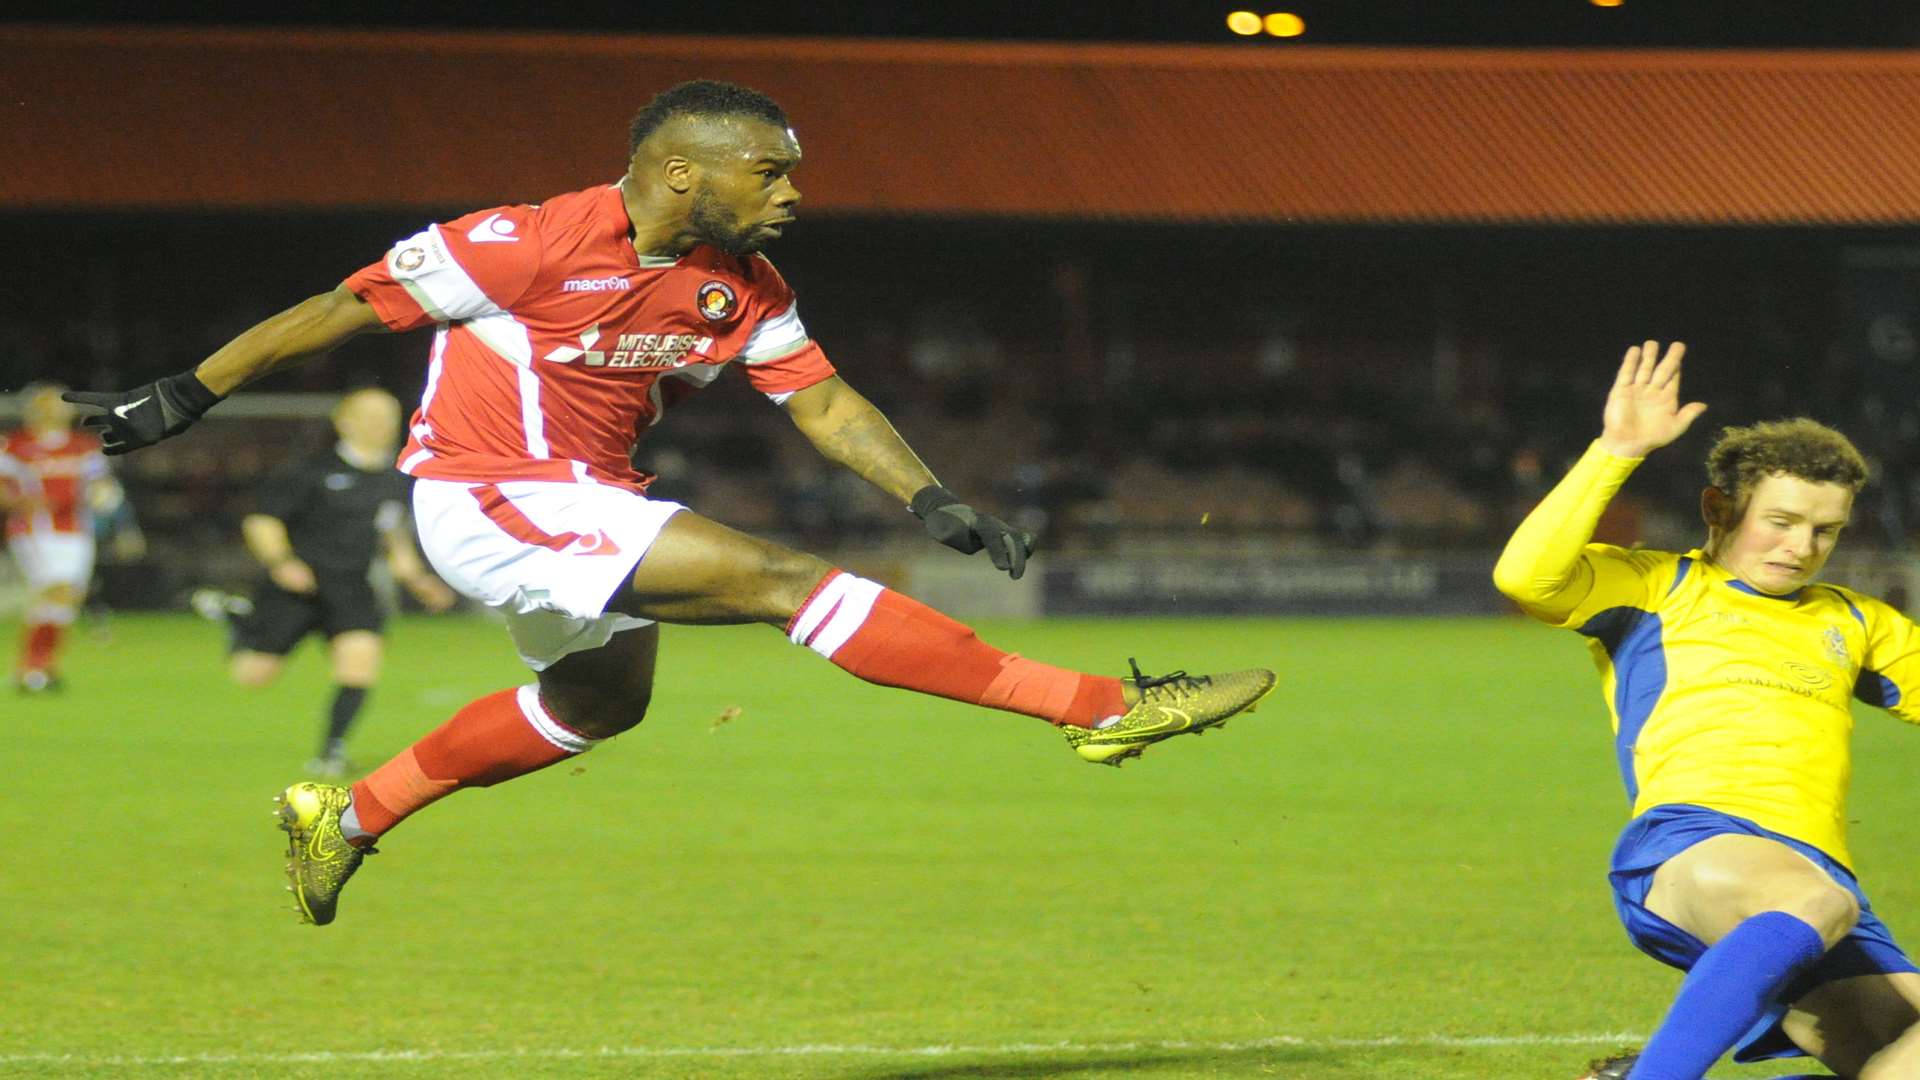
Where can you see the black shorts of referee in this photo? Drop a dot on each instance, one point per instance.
(280, 618)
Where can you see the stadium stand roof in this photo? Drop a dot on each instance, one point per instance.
(124, 118)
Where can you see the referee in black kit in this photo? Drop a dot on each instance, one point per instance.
(316, 526)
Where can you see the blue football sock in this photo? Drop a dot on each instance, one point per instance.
(1726, 993)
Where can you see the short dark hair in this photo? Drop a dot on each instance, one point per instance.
(1801, 448)
(702, 97)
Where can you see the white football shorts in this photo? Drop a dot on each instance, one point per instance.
(49, 558)
(546, 555)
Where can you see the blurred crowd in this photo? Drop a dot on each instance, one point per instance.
(1206, 389)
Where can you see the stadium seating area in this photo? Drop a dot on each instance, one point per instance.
(1057, 372)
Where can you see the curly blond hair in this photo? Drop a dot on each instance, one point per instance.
(1802, 448)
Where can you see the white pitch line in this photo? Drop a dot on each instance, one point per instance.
(815, 1050)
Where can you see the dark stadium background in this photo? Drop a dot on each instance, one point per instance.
(1245, 438)
(1853, 24)
(1356, 389)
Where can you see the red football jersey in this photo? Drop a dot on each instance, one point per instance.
(557, 345)
(53, 473)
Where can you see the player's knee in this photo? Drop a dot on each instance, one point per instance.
(595, 715)
(794, 577)
(621, 715)
(253, 670)
(1830, 910)
(254, 677)
(357, 671)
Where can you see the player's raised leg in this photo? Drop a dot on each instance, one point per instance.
(694, 570)
(700, 571)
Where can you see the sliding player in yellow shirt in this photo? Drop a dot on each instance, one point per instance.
(1728, 672)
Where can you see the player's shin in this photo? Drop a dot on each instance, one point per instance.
(40, 636)
(341, 713)
(884, 637)
(496, 738)
(1727, 992)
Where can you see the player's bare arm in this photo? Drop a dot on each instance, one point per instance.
(1544, 567)
(266, 537)
(846, 428)
(313, 327)
(131, 419)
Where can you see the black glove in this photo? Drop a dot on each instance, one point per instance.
(967, 530)
(135, 418)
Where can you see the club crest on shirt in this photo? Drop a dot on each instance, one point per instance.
(1836, 644)
(716, 301)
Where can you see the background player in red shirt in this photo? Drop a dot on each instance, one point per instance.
(562, 331)
(50, 474)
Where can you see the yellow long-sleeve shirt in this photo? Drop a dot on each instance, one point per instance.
(1721, 696)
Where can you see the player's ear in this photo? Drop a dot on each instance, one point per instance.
(1716, 509)
(677, 172)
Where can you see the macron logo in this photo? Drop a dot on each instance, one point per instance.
(596, 542)
(493, 231)
(596, 284)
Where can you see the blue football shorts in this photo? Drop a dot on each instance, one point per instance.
(1665, 831)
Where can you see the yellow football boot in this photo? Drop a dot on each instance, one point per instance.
(1161, 707)
(319, 859)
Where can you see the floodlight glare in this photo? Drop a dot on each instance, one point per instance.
(1285, 24)
(1244, 23)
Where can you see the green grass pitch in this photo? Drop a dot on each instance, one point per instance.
(1394, 869)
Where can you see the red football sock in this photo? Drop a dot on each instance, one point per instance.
(890, 639)
(498, 737)
(38, 644)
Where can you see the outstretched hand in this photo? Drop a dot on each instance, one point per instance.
(1643, 410)
(967, 530)
(130, 419)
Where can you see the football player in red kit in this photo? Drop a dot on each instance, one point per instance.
(48, 476)
(561, 331)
